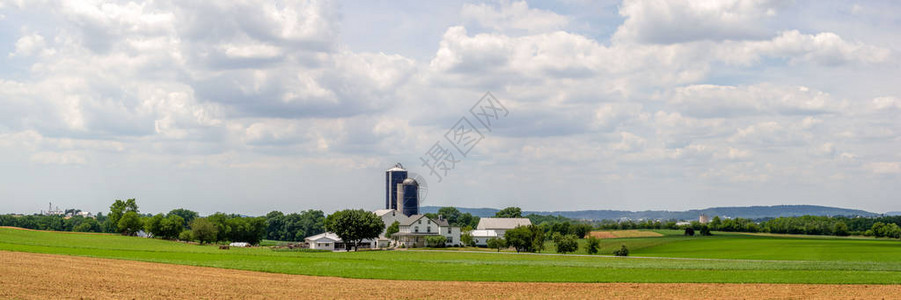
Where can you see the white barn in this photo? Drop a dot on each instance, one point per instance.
(332, 242)
(501, 225)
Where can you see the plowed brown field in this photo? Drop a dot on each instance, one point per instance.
(44, 276)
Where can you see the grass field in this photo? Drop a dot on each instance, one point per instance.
(716, 259)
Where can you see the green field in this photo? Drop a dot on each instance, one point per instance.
(721, 258)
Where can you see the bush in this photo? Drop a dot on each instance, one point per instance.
(689, 231)
(593, 245)
(186, 236)
(435, 241)
(497, 243)
(567, 244)
(705, 231)
(623, 251)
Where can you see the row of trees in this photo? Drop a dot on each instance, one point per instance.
(294, 227)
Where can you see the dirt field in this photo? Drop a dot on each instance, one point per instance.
(43, 276)
(623, 234)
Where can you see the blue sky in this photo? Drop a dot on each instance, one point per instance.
(247, 107)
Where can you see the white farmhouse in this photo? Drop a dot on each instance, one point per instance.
(414, 230)
(389, 216)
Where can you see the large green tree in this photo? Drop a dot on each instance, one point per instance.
(525, 238)
(451, 214)
(117, 210)
(509, 212)
(203, 230)
(567, 243)
(130, 223)
(185, 214)
(354, 225)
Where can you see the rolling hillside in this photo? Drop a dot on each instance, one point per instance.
(750, 212)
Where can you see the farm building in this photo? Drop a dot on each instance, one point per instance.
(501, 225)
(480, 237)
(331, 241)
(414, 230)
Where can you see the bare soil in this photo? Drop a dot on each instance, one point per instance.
(45, 276)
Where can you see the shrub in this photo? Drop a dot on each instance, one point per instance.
(689, 231)
(436, 241)
(593, 245)
(497, 243)
(705, 231)
(186, 235)
(567, 244)
(623, 251)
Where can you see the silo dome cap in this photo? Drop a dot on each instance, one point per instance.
(410, 181)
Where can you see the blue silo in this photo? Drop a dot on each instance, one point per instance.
(393, 177)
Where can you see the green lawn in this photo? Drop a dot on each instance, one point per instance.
(825, 261)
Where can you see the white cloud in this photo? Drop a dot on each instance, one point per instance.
(714, 100)
(28, 45)
(884, 167)
(63, 158)
(513, 15)
(665, 22)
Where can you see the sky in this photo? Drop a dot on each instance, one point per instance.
(253, 106)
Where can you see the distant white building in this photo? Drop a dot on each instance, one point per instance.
(481, 237)
(239, 244)
(330, 241)
(703, 219)
(501, 225)
(415, 229)
(389, 216)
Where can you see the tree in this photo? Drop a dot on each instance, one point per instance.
(246, 229)
(171, 226)
(152, 225)
(689, 231)
(623, 251)
(840, 229)
(567, 244)
(525, 238)
(186, 215)
(275, 225)
(497, 243)
(593, 245)
(451, 214)
(705, 231)
(509, 212)
(466, 238)
(354, 225)
(582, 230)
(186, 235)
(435, 241)
(130, 223)
(203, 230)
(716, 223)
(391, 230)
(117, 210)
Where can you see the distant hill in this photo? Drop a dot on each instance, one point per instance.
(893, 213)
(750, 212)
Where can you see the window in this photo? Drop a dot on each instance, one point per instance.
(417, 229)
(428, 229)
(450, 230)
(420, 221)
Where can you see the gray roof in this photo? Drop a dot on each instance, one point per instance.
(413, 218)
(502, 223)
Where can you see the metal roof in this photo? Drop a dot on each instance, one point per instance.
(502, 223)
